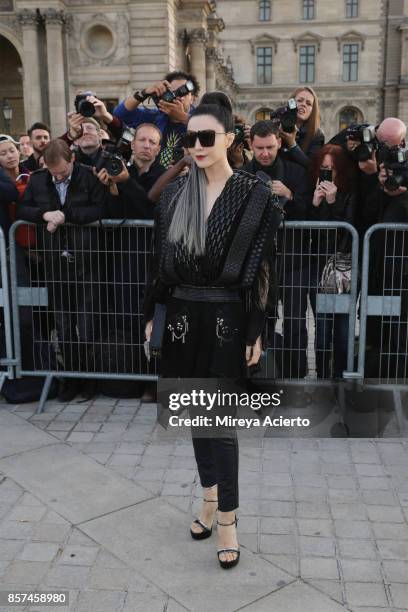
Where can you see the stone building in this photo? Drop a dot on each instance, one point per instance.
(353, 52)
(49, 50)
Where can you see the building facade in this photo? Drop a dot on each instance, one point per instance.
(352, 52)
(53, 49)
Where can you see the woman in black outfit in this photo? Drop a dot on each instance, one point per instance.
(302, 144)
(214, 253)
(333, 200)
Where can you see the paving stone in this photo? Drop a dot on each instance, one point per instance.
(363, 569)
(297, 597)
(374, 483)
(315, 567)
(365, 594)
(392, 531)
(109, 579)
(391, 549)
(353, 511)
(385, 514)
(384, 498)
(276, 493)
(316, 546)
(25, 571)
(396, 571)
(357, 549)
(278, 544)
(367, 469)
(352, 529)
(101, 601)
(29, 514)
(276, 526)
(309, 510)
(332, 588)
(38, 551)
(287, 563)
(399, 594)
(50, 532)
(310, 494)
(67, 576)
(315, 527)
(9, 549)
(78, 555)
(136, 602)
(13, 530)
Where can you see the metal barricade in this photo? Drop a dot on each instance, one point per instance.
(7, 361)
(383, 343)
(313, 333)
(77, 297)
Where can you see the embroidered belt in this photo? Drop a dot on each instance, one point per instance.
(206, 294)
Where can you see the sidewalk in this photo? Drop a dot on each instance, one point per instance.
(97, 498)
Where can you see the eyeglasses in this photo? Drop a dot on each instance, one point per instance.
(205, 137)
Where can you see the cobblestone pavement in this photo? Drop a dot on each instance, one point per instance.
(323, 522)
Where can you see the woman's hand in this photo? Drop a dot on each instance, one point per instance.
(289, 138)
(318, 195)
(148, 330)
(329, 190)
(253, 353)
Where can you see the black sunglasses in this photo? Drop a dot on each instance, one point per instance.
(206, 138)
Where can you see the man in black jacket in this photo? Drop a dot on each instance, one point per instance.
(67, 192)
(40, 135)
(290, 182)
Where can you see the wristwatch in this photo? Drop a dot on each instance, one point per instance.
(140, 96)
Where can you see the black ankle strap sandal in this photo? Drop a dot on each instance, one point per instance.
(228, 564)
(206, 531)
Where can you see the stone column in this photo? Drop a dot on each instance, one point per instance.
(198, 39)
(31, 67)
(54, 21)
(211, 56)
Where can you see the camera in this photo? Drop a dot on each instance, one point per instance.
(286, 116)
(82, 106)
(110, 159)
(170, 96)
(365, 135)
(124, 144)
(240, 138)
(325, 175)
(395, 160)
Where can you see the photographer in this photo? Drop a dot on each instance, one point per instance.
(84, 136)
(334, 199)
(290, 182)
(68, 192)
(170, 117)
(306, 137)
(146, 168)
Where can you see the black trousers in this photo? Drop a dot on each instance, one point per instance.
(207, 340)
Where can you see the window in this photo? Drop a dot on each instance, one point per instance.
(264, 65)
(349, 115)
(351, 8)
(307, 64)
(350, 62)
(263, 113)
(264, 10)
(308, 9)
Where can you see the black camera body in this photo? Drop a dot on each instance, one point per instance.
(82, 106)
(365, 135)
(170, 96)
(240, 138)
(110, 159)
(124, 144)
(396, 161)
(286, 116)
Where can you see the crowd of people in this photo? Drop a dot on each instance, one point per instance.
(121, 165)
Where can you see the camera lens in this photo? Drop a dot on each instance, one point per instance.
(86, 109)
(114, 166)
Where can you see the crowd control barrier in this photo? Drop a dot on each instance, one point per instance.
(7, 361)
(77, 302)
(383, 340)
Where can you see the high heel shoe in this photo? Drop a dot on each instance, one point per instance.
(206, 531)
(228, 564)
